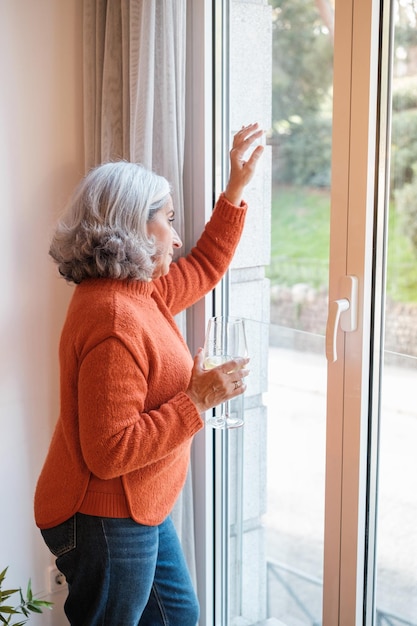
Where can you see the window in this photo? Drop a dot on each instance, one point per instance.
(308, 517)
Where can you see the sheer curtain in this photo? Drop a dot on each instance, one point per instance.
(134, 109)
(134, 86)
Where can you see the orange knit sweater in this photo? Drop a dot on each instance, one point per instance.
(122, 441)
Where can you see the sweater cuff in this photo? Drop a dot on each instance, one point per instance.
(188, 412)
(229, 212)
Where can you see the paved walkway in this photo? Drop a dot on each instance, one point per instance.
(296, 467)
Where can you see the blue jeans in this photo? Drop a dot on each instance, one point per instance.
(121, 573)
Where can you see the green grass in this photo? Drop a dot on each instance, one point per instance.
(300, 223)
(300, 244)
(402, 263)
(299, 236)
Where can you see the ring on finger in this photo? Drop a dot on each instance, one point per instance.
(237, 383)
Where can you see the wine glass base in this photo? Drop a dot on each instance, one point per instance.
(225, 422)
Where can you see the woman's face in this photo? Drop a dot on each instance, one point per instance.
(166, 238)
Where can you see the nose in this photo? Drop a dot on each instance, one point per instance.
(176, 241)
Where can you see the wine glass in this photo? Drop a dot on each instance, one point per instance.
(225, 340)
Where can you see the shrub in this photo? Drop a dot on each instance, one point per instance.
(302, 154)
(406, 203)
(404, 95)
(403, 147)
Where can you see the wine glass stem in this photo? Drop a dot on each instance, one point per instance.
(227, 409)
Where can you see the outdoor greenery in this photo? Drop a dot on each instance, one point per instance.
(300, 243)
(301, 150)
(301, 100)
(299, 236)
(404, 133)
(27, 604)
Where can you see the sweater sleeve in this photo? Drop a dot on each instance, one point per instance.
(193, 276)
(117, 436)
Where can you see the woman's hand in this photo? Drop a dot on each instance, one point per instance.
(208, 388)
(242, 171)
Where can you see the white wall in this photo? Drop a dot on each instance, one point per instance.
(41, 159)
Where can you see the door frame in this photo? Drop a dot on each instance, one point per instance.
(350, 496)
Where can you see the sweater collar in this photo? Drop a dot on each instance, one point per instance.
(128, 286)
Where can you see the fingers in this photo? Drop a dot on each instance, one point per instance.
(241, 170)
(223, 390)
(199, 359)
(247, 133)
(255, 155)
(244, 138)
(230, 377)
(211, 387)
(233, 365)
(242, 142)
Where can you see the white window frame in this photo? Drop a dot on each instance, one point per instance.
(198, 205)
(205, 173)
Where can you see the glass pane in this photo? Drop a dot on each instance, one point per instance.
(240, 453)
(396, 589)
(276, 464)
(296, 398)
(272, 500)
(294, 521)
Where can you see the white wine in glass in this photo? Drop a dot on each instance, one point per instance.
(225, 340)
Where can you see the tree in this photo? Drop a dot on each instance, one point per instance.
(302, 81)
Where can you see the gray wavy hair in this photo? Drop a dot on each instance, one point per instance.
(102, 232)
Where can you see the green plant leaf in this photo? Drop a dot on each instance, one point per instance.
(41, 603)
(29, 594)
(3, 575)
(28, 604)
(9, 610)
(7, 593)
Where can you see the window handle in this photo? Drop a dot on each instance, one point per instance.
(343, 311)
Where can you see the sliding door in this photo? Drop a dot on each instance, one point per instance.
(306, 515)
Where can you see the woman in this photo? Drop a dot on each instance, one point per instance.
(131, 395)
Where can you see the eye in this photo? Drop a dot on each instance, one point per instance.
(171, 218)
